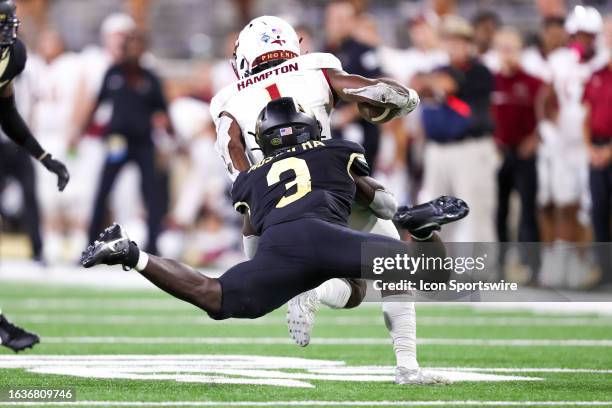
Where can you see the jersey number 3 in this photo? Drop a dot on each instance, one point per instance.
(302, 179)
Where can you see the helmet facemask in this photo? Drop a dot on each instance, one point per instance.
(9, 23)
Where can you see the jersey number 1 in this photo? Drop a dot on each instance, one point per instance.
(302, 178)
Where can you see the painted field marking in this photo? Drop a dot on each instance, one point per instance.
(330, 341)
(226, 369)
(317, 403)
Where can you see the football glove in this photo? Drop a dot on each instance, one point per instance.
(423, 219)
(57, 167)
(113, 247)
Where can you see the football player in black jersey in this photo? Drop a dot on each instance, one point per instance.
(12, 62)
(298, 197)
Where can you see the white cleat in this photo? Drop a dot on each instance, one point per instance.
(416, 376)
(301, 316)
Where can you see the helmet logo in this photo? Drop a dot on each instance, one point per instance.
(265, 37)
(276, 141)
(277, 32)
(286, 131)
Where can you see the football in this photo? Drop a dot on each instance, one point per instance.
(376, 114)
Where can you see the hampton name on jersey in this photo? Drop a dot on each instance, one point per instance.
(302, 78)
(310, 180)
(12, 62)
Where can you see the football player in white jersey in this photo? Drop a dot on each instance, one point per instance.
(268, 65)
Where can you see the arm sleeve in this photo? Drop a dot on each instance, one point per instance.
(16, 129)
(356, 160)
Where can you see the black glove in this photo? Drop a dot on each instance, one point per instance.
(423, 219)
(57, 167)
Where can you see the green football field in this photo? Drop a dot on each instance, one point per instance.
(143, 348)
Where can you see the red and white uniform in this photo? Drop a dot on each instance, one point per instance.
(563, 166)
(302, 78)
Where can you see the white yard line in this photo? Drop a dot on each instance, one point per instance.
(127, 319)
(332, 341)
(314, 403)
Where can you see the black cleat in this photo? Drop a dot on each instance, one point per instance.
(16, 338)
(423, 219)
(111, 248)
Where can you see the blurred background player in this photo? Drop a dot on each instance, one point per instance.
(514, 111)
(53, 90)
(564, 176)
(12, 62)
(139, 110)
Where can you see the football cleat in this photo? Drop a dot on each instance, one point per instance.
(14, 337)
(111, 248)
(423, 219)
(416, 376)
(301, 312)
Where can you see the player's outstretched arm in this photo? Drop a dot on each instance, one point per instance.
(15, 128)
(391, 97)
(179, 280)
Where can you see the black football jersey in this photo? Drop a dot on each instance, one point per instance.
(12, 62)
(308, 180)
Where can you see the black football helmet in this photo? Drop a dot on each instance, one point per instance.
(8, 23)
(284, 123)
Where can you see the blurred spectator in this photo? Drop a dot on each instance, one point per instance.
(597, 100)
(139, 108)
(552, 36)
(54, 97)
(460, 155)
(486, 24)
(444, 8)
(422, 57)
(341, 20)
(514, 111)
(551, 8)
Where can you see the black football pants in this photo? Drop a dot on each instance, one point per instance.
(294, 257)
(16, 163)
(150, 187)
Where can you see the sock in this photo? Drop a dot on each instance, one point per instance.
(334, 293)
(400, 319)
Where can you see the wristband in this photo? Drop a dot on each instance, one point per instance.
(43, 156)
(143, 260)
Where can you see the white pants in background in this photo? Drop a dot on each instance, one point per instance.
(466, 170)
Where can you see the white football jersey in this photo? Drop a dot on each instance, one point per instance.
(302, 78)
